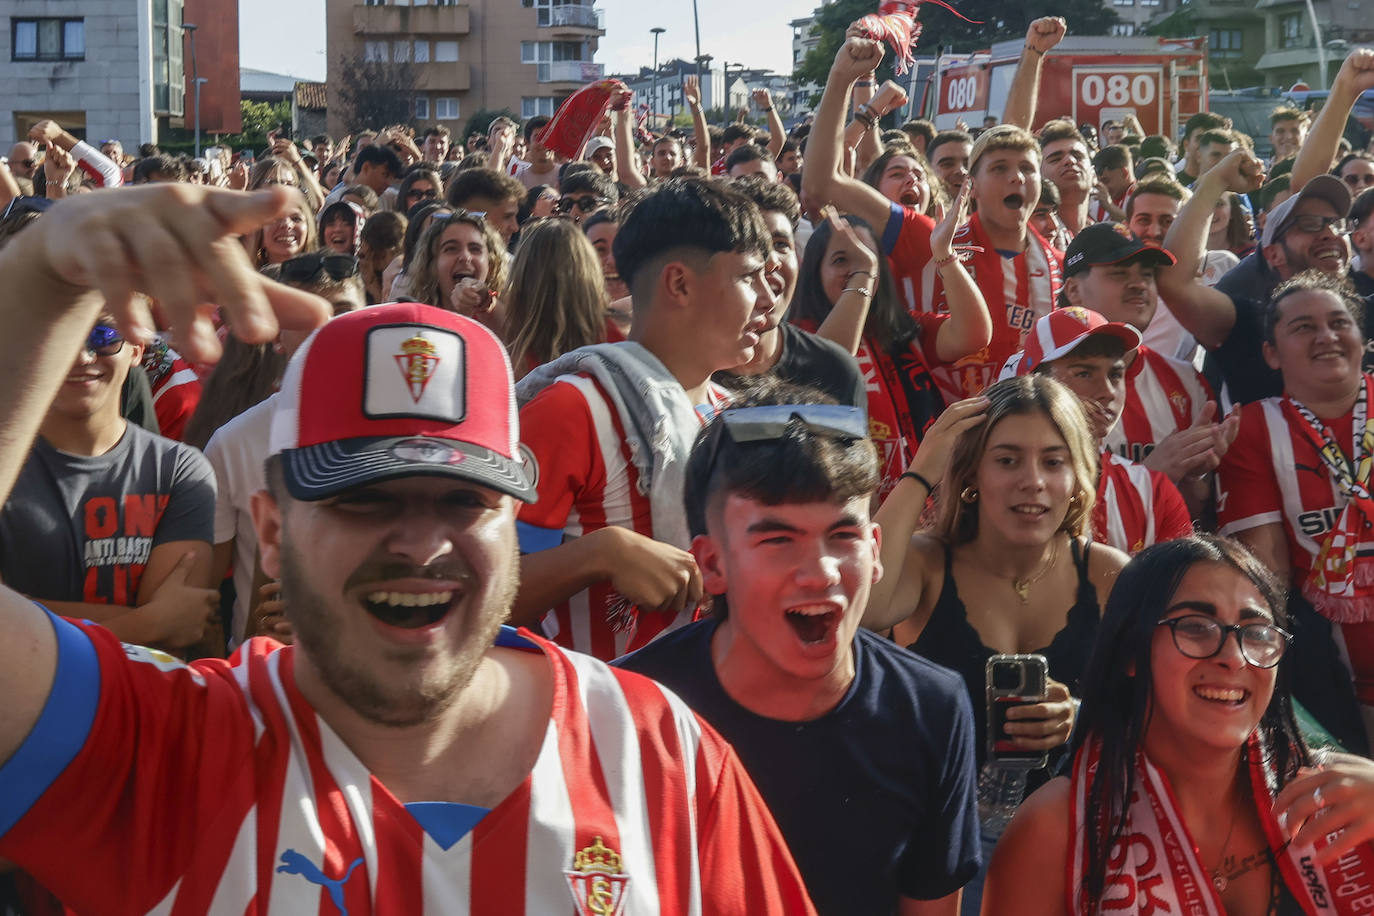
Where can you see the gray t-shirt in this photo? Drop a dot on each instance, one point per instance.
(81, 529)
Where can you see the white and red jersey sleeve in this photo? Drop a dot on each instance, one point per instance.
(575, 445)
(219, 790)
(96, 165)
(1163, 395)
(1272, 474)
(1137, 507)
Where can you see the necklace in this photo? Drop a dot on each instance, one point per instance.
(1218, 879)
(1022, 586)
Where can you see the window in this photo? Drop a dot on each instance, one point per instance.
(421, 108)
(374, 2)
(532, 107)
(47, 39)
(1149, 2)
(445, 109)
(1225, 43)
(542, 52)
(374, 51)
(1123, 29)
(400, 51)
(445, 51)
(1290, 30)
(1124, 2)
(421, 52)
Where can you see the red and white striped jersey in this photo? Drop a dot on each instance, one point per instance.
(1163, 395)
(575, 443)
(149, 787)
(1018, 290)
(1137, 507)
(1272, 474)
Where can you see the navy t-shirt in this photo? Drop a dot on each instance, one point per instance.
(878, 797)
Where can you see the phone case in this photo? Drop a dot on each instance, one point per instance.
(1013, 680)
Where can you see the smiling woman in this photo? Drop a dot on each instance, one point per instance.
(1187, 752)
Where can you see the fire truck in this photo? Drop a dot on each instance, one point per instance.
(1090, 79)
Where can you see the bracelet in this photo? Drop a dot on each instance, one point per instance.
(941, 263)
(919, 479)
(863, 83)
(1036, 50)
(769, 108)
(866, 293)
(865, 115)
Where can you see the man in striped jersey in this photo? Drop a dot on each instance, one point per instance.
(408, 755)
(607, 428)
(1166, 423)
(1136, 506)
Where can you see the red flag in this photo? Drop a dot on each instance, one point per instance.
(577, 118)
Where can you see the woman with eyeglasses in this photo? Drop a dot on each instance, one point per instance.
(1191, 790)
(459, 265)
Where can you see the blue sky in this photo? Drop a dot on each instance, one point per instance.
(755, 34)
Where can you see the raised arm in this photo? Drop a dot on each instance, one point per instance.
(701, 134)
(1043, 34)
(1206, 313)
(969, 326)
(777, 134)
(626, 170)
(102, 169)
(175, 243)
(822, 178)
(1317, 154)
(861, 137)
(849, 313)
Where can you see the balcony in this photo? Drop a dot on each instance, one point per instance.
(571, 71)
(576, 19)
(411, 20)
(451, 76)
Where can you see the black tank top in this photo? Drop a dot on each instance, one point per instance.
(950, 640)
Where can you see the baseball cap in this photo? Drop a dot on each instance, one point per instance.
(398, 390)
(1109, 243)
(596, 144)
(1062, 330)
(1324, 187)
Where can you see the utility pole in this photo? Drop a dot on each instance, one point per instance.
(195, 79)
(696, 24)
(657, 30)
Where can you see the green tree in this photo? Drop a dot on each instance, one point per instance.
(261, 117)
(942, 29)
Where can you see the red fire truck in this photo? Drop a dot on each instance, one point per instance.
(1090, 79)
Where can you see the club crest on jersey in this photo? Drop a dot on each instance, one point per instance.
(1179, 400)
(417, 360)
(598, 881)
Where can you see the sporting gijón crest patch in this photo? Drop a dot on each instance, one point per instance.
(598, 881)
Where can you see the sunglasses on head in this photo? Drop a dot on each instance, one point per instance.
(477, 216)
(307, 267)
(768, 423)
(104, 341)
(584, 203)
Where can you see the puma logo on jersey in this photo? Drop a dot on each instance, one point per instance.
(293, 863)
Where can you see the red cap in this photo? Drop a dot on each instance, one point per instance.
(399, 390)
(1059, 332)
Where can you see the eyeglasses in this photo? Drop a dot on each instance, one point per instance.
(585, 203)
(1199, 636)
(1311, 222)
(770, 422)
(417, 194)
(104, 341)
(306, 267)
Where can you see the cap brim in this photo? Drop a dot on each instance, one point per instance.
(320, 471)
(1128, 335)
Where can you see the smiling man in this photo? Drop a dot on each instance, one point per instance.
(408, 754)
(810, 701)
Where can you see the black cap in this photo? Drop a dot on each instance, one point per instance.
(1109, 243)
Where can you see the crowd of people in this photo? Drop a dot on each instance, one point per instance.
(439, 525)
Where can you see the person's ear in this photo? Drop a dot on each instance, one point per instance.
(877, 544)
(1271, 355)
(267, 521)
(1073, 290)
(710, 557)
(1275, 255)
(677, 282)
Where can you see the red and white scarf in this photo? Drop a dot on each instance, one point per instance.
(1341, 584)
(1154, 866)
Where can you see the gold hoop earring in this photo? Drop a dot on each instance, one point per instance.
(969, 495)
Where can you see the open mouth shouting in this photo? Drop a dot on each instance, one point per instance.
(1014, 201)
(910, 198)
(409, 610)
(814, 624)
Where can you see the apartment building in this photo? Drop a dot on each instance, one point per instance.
(114, 68)
(522, 55)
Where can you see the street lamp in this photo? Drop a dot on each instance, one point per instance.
(704, 59)
(195, 79)
(654, 105)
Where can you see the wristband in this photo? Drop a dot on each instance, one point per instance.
(864, 83)
(919, 479)
(1036, 50)
(947, 260)
(864, 115)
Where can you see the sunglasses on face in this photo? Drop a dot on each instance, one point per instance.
(418, 194)
(585, 204)
(1199, 636)
(769, 423)
(307, 267)
(1356, 181)
(104, 341)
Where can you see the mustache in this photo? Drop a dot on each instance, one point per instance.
(390, 570)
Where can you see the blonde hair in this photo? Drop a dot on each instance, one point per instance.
(253, 240)
(420, 281)
(556, 298)
(956, 522)
(1003, 136)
